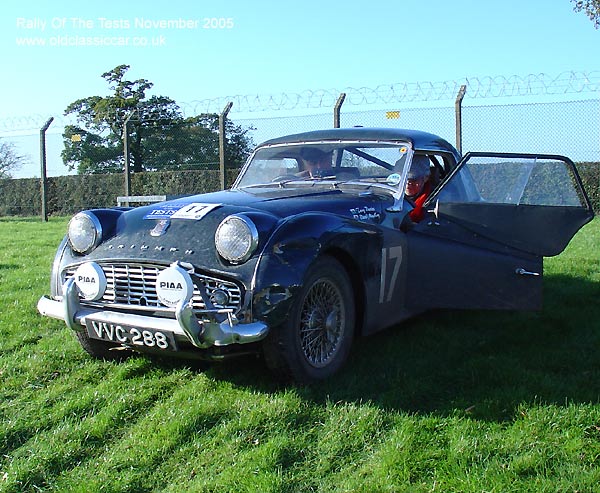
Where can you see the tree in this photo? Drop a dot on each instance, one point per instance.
(9, 159)
(591, 9)
(159, 137)
(193, 143)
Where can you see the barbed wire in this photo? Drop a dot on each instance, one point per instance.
(486, 87)
(477, 88)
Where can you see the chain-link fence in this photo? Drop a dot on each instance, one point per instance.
(570, 126)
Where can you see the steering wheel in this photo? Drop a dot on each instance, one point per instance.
(284, 178)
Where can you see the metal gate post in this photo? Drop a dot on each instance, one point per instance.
(458, 116)
(222, 167)
(126, 153)
(336, 110)
(44, 179)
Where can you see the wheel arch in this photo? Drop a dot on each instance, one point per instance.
(297, 244)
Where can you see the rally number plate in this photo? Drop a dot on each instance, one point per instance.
(131, 336)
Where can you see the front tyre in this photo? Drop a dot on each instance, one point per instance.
(100, 349)
(315, 340)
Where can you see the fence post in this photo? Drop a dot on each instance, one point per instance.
(458, 116)
(336, 110)
(222, 168)
(126, 153)
(44, 179)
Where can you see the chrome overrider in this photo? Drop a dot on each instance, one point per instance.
(221, 330)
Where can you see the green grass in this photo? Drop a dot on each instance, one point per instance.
(451, 401)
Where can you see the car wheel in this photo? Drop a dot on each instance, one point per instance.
(315, 340)
(100, 349)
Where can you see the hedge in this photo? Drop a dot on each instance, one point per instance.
(69, 194)
(590, 176)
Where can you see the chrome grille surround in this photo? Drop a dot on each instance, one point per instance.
(132, 285)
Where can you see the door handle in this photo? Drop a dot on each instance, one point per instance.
(523, 272)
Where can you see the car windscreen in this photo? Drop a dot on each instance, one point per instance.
(363, 162)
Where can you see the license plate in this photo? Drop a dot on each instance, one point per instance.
(131, 336)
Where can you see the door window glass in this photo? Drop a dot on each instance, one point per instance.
(515, 180)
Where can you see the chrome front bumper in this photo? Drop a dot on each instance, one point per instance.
(222, 330)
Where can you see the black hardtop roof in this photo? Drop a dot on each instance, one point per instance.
(420, 140)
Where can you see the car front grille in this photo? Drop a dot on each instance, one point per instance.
(133, 285)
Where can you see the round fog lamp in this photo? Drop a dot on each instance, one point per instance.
(91, 281)
(84, 232)
(219, 297)
(174, 285)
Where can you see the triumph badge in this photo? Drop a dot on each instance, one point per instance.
(161, 227)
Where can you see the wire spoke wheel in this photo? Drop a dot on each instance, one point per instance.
(322, 323)
(314, 340)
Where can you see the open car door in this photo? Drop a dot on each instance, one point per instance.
(495, 217)
(535, 203)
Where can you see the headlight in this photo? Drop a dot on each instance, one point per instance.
(85, 232)
(236, 239)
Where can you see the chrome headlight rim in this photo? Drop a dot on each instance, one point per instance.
(251, 240)
(95, 228)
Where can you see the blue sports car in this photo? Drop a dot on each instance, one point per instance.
(325, 236)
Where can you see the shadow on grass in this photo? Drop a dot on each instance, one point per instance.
(481, 364)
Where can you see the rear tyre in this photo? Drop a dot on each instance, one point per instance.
(315, 340)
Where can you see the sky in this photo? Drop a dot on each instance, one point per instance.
(54, 53)
(237, 47)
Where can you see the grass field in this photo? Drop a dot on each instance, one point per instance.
(451, 401)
